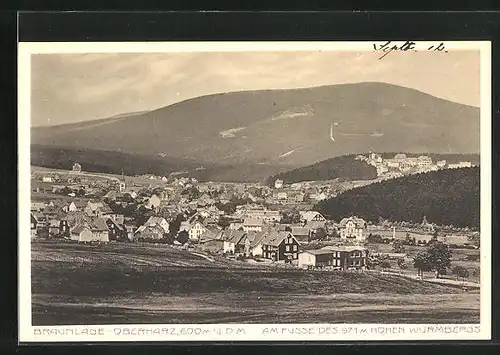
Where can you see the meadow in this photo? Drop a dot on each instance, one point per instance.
(128, 283)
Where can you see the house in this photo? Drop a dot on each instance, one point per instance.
(302, 234)
(312, 216)
(116, 231)
(318, 258)
(195, 230)
(280, 246)
(349, 257)
(252, 225)
(37, 206)
(236, 226)
(263, 214)
(64, 228)
(72, 207)
(278, 184)
(149, 232)
(441, 163)
(353, 228)
(424, 162)
(251, 243)
(129, 230)
(231, 239)
(156, 221)
(47, 178)
(153, 203)
(93, 208)
(211, 242)
(81, 233)
(96, 231)
(41, 187)
(318, 196)
(34, 223)
(54, 225)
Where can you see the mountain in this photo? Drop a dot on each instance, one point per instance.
(282, 127)
(445, 197)
(346, 167)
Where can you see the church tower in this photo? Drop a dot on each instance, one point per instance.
(122, 183)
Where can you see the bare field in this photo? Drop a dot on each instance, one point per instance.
(127, 283)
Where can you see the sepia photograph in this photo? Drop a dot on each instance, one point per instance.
(250, 184)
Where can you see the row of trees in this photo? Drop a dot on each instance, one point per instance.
(437, 258)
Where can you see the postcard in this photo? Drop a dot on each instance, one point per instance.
(254, 191)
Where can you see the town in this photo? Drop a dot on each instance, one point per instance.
(239, 221)
(401, 164)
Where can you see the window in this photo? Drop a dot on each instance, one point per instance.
(295, 248)
(295, 255)
(287, 248)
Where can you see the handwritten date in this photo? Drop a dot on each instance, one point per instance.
(389, 47)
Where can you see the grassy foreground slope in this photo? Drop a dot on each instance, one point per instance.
(132, 284)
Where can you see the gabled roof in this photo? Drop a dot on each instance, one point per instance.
(99, 224)
(296, 231)
(360, 223)
(319, 251)
(154, 220)
(275, 238)
(347, 248)
(255, 238)
(252, 222)
(309, 215)
(79, 228)
(234, 236)
(54, 223)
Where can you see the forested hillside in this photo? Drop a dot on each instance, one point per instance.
(343, 167)
(446, 197)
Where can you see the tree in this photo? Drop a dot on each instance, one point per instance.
(290, 217)
(385, 264)
(168, 238)
(437, 257)
(420, 263)
(223, 222)
(402, 264)
(320, 234)
(176, 224)
(183, 237)
(398, 247)
(372, 262)
(460, 271)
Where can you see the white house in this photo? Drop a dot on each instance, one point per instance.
(231, 239)
(252, 225)
(153, 202)
(195, 230)
(72, 207)
(278, 184)
(353, 228)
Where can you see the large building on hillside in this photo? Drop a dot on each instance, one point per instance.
(353, 228)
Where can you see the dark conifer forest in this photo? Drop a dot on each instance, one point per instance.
(445, 197)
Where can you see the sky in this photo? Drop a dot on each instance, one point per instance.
(67, 88)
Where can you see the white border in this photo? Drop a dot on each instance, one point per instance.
(232, 332)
